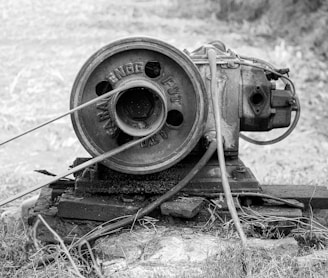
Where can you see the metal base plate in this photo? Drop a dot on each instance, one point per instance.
(102, 180)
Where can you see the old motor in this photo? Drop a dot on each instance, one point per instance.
(170, 92)
(164, 96)
(152, 117)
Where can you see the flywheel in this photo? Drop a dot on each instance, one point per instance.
(165, 92)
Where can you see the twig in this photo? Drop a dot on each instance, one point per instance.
(134, 221)
(95, 264)
(33, 234)
(62, 244)
(311, 212)
(99, 228)
(304, 224)
(148, 220)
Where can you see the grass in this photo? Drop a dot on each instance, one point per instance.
(21, 258)
(257, 264)
(43, 45)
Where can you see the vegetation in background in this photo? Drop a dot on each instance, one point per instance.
(300, 22)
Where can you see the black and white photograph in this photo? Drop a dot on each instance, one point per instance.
(164, 138)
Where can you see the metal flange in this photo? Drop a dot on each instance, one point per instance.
(168, 93)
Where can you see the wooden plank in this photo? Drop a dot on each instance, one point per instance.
(317, 196)
(96, 208)
(274, 211)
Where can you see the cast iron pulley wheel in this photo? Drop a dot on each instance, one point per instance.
(165, 92)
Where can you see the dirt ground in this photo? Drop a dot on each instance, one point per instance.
(44, 44)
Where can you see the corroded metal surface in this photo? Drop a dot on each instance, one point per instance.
(101, 180)
(171, 92)
(168, 73)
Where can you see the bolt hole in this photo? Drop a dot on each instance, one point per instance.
(174, 118)
(153, 69)
(257, 98)
(103, 87)
(123, 138)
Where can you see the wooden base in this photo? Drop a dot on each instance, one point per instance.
(316, 196)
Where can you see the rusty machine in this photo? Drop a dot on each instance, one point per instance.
(148, 112)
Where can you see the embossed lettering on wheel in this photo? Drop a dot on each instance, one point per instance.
(172, 96)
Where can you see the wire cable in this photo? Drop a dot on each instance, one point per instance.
(78, 168)
(75, 109)
(216, 94)
(149, 208)
(295, 97)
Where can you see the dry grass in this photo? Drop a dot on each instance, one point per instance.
(258, 264)
(19, 257)
(42, 46)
